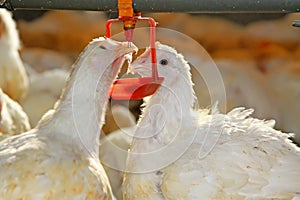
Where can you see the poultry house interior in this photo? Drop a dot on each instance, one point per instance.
(255, 45)
(255, 54)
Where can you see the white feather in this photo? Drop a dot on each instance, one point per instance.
(13, 77)
(13, 120)
(226, 156)
(59, 158)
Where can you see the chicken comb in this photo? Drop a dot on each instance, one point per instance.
(134, 88)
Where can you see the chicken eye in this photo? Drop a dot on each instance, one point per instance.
(163, 62)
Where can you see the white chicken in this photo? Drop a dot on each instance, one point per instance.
(42, 60)
(118, 130)
(59, 159)
(181, 153)
(243, 84)
(113, 155)
(286, 82)
(118, 117)
(13, 120)
(45, 89)
(13, 78)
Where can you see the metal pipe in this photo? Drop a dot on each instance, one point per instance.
(203, 6)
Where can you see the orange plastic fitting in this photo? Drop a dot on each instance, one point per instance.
(125, 8)
(125, 13)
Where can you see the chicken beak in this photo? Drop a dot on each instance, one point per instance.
(124, 49)
(123, 52)
(140, 63)
(127, 52)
